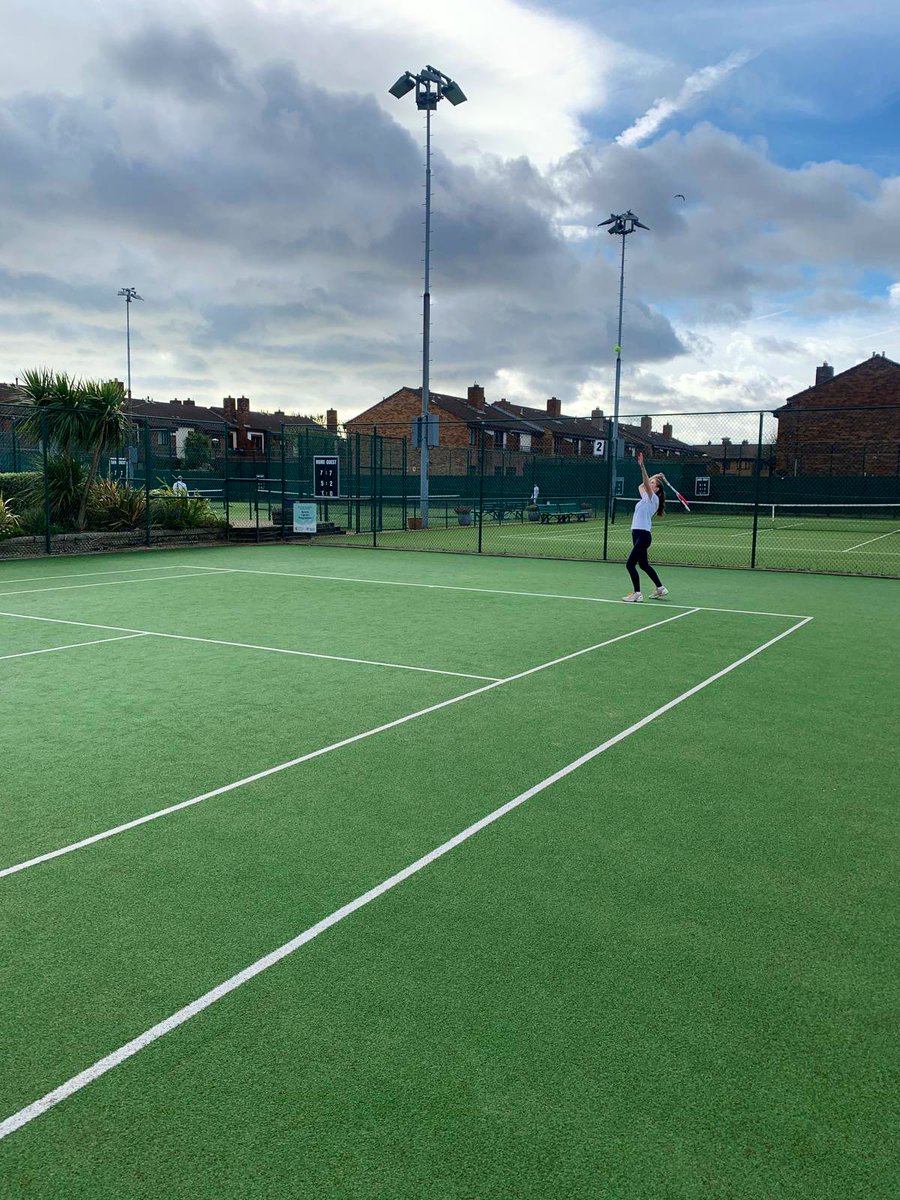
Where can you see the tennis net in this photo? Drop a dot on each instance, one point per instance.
(724, 514)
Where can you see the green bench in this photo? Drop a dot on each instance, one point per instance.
(500, 510)
(563, 513)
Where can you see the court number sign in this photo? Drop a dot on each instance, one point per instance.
(326, 476)
(701, 486)
(599, 447)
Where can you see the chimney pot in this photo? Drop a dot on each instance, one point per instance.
(824, 374)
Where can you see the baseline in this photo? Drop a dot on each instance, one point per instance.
(349, 741)
(184, 637)
(103, 1065)
(70, 587)
(449, 587)
(85, 574)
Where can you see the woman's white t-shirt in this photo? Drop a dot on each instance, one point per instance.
(645, 511)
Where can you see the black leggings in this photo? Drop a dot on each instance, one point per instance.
(638, 558)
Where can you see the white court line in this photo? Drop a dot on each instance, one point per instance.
(71, 587)
(72, 646)
(874, 539)
(85, 574)
(293, 762)
(449, 587)
(183, 637)
(129, 1049)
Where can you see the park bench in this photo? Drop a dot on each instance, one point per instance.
(563, 512)
(500, 510)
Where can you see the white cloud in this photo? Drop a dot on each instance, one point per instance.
(694, 86)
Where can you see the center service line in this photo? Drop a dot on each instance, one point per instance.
(38, 1107)
(293, 762)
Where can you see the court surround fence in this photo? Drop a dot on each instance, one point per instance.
(764, 491)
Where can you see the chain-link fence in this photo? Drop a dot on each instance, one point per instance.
(810, 490)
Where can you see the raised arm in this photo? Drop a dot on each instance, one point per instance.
(645, 485)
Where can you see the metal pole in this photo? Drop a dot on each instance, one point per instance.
(48, 544)
(128, 341)
(147, 452)
(614, 451)
(758, 485)
(426, 332)
(284, 499)
(372, 454)
(481, 489)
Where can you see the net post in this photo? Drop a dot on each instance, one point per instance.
(758, 482)
(256, 499)
(48, 539)
(147, 479)
(403, 477)
(358, 488)
(607, 491)
(481, 490)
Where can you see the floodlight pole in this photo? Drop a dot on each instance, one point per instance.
(621, 224)
(431, 86)
(129, 293)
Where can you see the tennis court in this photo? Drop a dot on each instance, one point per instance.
(360, 875)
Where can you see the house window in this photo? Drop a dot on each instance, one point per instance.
(524, 441)
(557, 443)
(473, 435)
(163, 437)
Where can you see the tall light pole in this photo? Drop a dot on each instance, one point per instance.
(130, 294)
(431, 86)
(622, 224)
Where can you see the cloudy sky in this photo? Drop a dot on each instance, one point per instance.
(241, 163)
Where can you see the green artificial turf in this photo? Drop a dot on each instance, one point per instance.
(670, 974)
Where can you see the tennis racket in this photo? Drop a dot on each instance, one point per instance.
(674, 492)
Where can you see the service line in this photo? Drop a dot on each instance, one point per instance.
(184, 637)
(71, 646)
(293, 762)
(38, 1107)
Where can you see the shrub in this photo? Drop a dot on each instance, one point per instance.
(66, 479)
(9, 522)
(171, 511)
(14, 483)
(114, 504)
(197, 450)
(33, 523)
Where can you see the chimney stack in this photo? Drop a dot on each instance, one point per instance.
(646, 424)
(824, 374)
(189, 404)
(331, 420)
(597, 414)
(228, 406)
(476, 396)
(667, 431)
(243, 404)
(554, 407)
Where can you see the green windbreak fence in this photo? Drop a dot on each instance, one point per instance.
(817, 490)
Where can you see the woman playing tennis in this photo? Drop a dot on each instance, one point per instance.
(652, 503)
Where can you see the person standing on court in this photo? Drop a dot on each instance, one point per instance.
(179, 487)
(535, 492)
(651, 503)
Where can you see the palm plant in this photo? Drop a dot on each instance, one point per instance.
(9, 522)
(75, 415)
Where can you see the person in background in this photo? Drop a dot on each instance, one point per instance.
(535, 492)
(179, 487)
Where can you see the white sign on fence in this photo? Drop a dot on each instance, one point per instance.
(304, 517)
(599, 447)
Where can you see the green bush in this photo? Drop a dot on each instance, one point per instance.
(172, 511)
(32, 522)
(66, 480)
(114, 504)
(9, 522)
(14, 483)
(197, 450)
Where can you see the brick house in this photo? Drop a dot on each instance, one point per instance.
(846, 424)
(253, 433)
(459, 422)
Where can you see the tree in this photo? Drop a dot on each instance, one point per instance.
(75, 415)
(197, 450)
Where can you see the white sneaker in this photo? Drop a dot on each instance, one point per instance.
(658, 593)
(634, 598)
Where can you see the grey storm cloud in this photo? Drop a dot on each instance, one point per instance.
(266, 217)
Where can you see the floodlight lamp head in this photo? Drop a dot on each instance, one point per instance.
(453, 92)
(404, 84)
